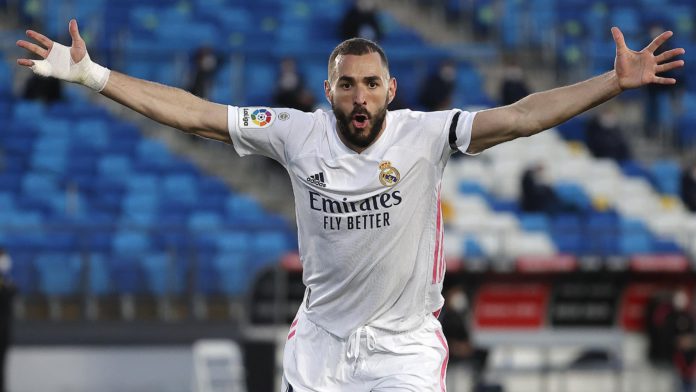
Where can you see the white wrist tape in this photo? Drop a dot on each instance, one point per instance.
(59, 64)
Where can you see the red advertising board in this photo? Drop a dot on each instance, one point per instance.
(635, 299)
(511, 306)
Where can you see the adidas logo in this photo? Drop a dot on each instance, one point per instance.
(317, 179)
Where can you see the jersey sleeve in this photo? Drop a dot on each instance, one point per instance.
(266, 131)
(458, 130)
(448, 131)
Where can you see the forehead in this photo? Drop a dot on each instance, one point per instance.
(369, 64)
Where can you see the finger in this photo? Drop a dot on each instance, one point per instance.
(659, 40)
(662, 57)
(669, 66)
(75, 32)
(658, 80)
(25, 62)
(42, 39)
(34, 48)
(618, 39)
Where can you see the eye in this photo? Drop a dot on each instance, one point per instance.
(372, 84)
(344, 85)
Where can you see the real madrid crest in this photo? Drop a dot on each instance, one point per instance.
(388, 175)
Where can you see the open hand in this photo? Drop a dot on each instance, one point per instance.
(635, 69)
(78, 50)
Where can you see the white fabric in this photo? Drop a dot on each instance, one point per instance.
(372, 253)
(410, 361)
(59, 64)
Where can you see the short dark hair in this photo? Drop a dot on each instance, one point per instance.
(357, 47)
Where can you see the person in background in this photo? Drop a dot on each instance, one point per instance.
(7, 293)
(463, 354)
(688, 187)
(361, 22)
(205, 65)
(537, 193)
(682, 328)
(513, 87)
(47, 90)
(290, 91)
(436, 91)
(604, 137)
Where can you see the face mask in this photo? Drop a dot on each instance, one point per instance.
(458, 302)
(680, 300)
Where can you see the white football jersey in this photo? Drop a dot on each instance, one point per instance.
(370, 224)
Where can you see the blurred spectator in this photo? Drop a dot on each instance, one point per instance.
(205, 65)
(537, 193)
(604, 137)
(513, 87)
(462, 351)
(7, 292)
(661, 98)
(688, 187)
(361, 21)
(436, 91)
(681, 324)
(48, 90)
(290, 89)
(657, 313)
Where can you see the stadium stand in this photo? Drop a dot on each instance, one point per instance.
(89, 207)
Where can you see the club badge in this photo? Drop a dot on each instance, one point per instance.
(388, 175)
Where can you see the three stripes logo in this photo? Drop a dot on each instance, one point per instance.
(317, 179)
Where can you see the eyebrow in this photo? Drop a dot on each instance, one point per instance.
(367, 79)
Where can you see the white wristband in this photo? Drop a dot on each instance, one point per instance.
(59, 64)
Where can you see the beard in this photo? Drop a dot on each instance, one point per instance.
(361, 138)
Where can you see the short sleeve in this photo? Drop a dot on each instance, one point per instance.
(459, 130)
(265, 131)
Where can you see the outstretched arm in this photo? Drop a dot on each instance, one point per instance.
(547, 109)
(167, 105)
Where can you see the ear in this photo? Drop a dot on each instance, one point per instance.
(327, 91)
(392, 89)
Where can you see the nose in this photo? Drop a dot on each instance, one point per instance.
(360, 96)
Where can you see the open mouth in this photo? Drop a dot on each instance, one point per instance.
(360, 120)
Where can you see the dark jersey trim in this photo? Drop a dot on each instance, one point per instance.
(453, 131)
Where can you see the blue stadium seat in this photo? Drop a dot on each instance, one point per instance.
(114, 166)
(233, 273)
(129, 243)
(634, 237)
(98, 276)
(269, 244)
(233, 241)
(472, 248)
(28, 111)
(127, 275)
(161, 278)
(602, 233)
(94, 133)
(59, 274)
(534, 222)
(573, 195)
(666, 176)
(205, 221)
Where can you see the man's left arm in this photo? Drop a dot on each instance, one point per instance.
(547, 109)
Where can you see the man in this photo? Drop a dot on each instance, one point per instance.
(366, 183)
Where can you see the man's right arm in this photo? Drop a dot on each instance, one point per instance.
(167, 105)
(170, 106)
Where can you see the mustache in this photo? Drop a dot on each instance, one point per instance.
(360, 110)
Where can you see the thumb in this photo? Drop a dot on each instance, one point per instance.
(618, 39)
(75, 34)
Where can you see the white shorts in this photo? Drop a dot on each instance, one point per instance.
(369, 360)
